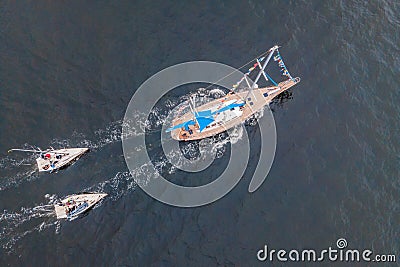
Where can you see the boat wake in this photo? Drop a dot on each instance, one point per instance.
(162, 161)
(16, 225)
(17, 177)
(124, 181)
(19, 168)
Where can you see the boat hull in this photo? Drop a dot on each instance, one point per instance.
(65, 157)
(73, 206)
(256, 100)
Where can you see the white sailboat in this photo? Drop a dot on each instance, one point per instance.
(73, 206)
(51, 159)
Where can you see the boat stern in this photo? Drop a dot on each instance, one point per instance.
(60, 211)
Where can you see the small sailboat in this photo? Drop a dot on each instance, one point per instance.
(233, 109)
(73, 206)
(52, 159)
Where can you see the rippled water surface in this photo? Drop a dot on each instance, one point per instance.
(68, 71)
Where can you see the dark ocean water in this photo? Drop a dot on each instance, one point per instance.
(68, 71)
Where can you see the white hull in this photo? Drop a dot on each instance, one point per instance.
(74, 205)
(59, 158)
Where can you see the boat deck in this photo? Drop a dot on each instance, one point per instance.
(255, 101)
(91, 199)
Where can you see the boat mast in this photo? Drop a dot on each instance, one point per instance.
(25, 150)
(264, 66)
(37, 151)
(272, 50)
(263, 73)
(192, 108)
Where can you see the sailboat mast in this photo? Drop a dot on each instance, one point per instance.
(264, 66)
(25, 150)
(262, 70)
(192, 108)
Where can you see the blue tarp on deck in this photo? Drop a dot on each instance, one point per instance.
(185, 124)
(204, 122)
(204, 118)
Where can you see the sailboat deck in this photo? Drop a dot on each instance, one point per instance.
(255, 101)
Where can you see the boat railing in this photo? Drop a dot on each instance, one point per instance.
(290, 82)
(297, 79)
(281, 84)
